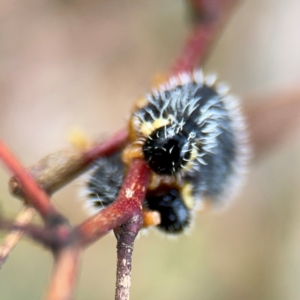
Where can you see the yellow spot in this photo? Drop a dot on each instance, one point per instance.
(155, 181)
(160, 123)
(124, 261)
(131, 152)
(194, 154)
(151, 218)
(187, 195)
(146, 128)
(79, 139)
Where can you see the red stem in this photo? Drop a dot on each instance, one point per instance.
(127, 206)
(34, 194)
(210, 16)
(195, 48)
(105, 148)
(64, 274)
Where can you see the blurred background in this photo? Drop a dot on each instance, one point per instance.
(82, 64)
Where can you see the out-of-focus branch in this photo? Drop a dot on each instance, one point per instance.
(58, 168)
(51, 173)
(64, 275)
(276, 117)
(107, 147)
(209, 18)
(12, 239)
(34, 195)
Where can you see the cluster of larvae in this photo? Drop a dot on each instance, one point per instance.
(192, 135)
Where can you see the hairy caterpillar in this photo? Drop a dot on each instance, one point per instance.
(192, 135)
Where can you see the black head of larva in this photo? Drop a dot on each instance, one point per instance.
(175, 216)
(167, 150)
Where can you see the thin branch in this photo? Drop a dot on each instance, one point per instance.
(52, 237)
(127, 206)
(10, 241)
(64, 275)
(273, 119)
(125, 235)
(107, 147)
(51, 173)
(209, 18)
(59, 168)
(34, 194)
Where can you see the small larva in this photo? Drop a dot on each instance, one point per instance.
(192, 135)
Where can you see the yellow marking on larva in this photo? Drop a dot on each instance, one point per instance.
(131, 152)
(151, 218)
(157, 180)
(148, 127)
(187, 195)
(154, 182)
(194, 154)
(160, 123)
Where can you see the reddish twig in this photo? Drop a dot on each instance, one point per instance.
(34, 194)
(209, 19)
(64, 274)
(125, 211)
(59, 168)
(54, 171)
(127, 206)
(65, 242)
(51, 237)
(273, 119)
(107, 147)
(12, 239)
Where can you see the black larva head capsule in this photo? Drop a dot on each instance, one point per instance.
(166, 150)
(175, 216)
